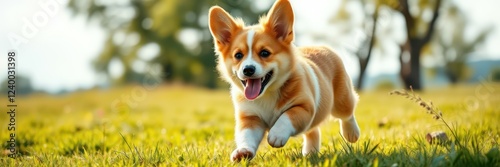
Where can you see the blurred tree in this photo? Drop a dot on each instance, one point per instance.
(495, 74)
(453, 46)
(419, 30)
(364, 55)
(22, 86)
(364, 52)
(420, 19)
(168, 36)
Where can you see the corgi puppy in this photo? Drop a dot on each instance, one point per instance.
(277, 87)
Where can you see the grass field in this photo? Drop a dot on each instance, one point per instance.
(184, 126)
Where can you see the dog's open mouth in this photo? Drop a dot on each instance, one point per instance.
(254, 87)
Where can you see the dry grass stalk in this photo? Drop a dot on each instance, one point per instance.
(428, 106)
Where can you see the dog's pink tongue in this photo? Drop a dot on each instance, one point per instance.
(252, 89)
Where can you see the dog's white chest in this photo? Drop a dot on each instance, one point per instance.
(264, 107)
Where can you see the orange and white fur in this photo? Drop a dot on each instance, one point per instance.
(277, 87)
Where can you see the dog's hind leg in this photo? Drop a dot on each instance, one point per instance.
(312, 141)
(345, 100)
(350, 129)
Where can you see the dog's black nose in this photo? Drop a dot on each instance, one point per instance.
(249, 70)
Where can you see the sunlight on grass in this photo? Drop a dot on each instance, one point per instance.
(185, 126)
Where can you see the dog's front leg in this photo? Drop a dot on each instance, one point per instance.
(249, 133)
(290, 123)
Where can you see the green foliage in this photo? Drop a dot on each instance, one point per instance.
(132, 25)
(22, 85)
(453, 47)
(182, 126)
(495, 74)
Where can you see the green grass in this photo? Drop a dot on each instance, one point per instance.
(184, 126)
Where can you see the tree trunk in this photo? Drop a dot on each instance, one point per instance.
(363, 61)
(410, 69)
(414, 44)
(362, 69)
(414, 78)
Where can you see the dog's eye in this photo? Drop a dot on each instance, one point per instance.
(238, 55)
(264, 53)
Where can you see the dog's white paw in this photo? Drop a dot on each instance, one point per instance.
(242, 153)
(350, 130)
(277, 139)
(280, 132)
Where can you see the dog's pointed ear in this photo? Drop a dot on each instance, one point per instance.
(222, 25)
(280, 20)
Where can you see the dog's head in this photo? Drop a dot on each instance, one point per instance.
(257, 58)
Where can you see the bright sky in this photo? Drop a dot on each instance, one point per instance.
(57, 50)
